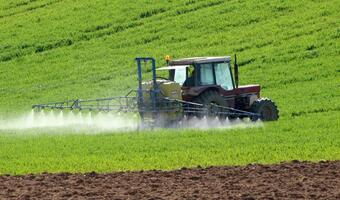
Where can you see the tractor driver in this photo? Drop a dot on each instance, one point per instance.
(190, 81)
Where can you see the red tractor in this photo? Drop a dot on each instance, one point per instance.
(209, 80)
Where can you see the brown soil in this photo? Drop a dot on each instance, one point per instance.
(284, 181)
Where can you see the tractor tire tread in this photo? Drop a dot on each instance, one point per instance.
(258, 105)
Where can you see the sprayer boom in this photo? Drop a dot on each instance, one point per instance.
(148, 112)
(117, 104)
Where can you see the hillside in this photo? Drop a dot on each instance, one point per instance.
(54, 50)
(64, 49)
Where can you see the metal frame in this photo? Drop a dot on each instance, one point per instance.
(129, 104)
(154, 92)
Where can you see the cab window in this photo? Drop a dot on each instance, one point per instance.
(191, 78)
(223, 76)
(207, 74)
(180, 75)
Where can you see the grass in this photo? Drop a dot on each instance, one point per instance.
(54, 50)
(303, 139)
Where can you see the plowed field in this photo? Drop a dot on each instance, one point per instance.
(287, 180)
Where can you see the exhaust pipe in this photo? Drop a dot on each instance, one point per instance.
(236, 72)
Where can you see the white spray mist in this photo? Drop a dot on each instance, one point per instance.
(103, 122)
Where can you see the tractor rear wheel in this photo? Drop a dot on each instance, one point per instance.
(211, 97)
(266, 108)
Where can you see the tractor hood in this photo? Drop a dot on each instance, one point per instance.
(245, 89)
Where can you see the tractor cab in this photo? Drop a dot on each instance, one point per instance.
(201, 71)
(200, 76)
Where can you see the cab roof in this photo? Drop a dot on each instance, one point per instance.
(170, 67)
(199, 60)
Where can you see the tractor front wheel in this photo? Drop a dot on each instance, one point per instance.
(266, 108)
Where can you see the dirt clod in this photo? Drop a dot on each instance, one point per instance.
(293, 180)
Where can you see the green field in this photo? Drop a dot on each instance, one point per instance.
(53, 50)
(302, 139)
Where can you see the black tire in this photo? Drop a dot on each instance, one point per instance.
(266, 108)
(210, 97)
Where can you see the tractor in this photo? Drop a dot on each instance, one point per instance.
(194, 87)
